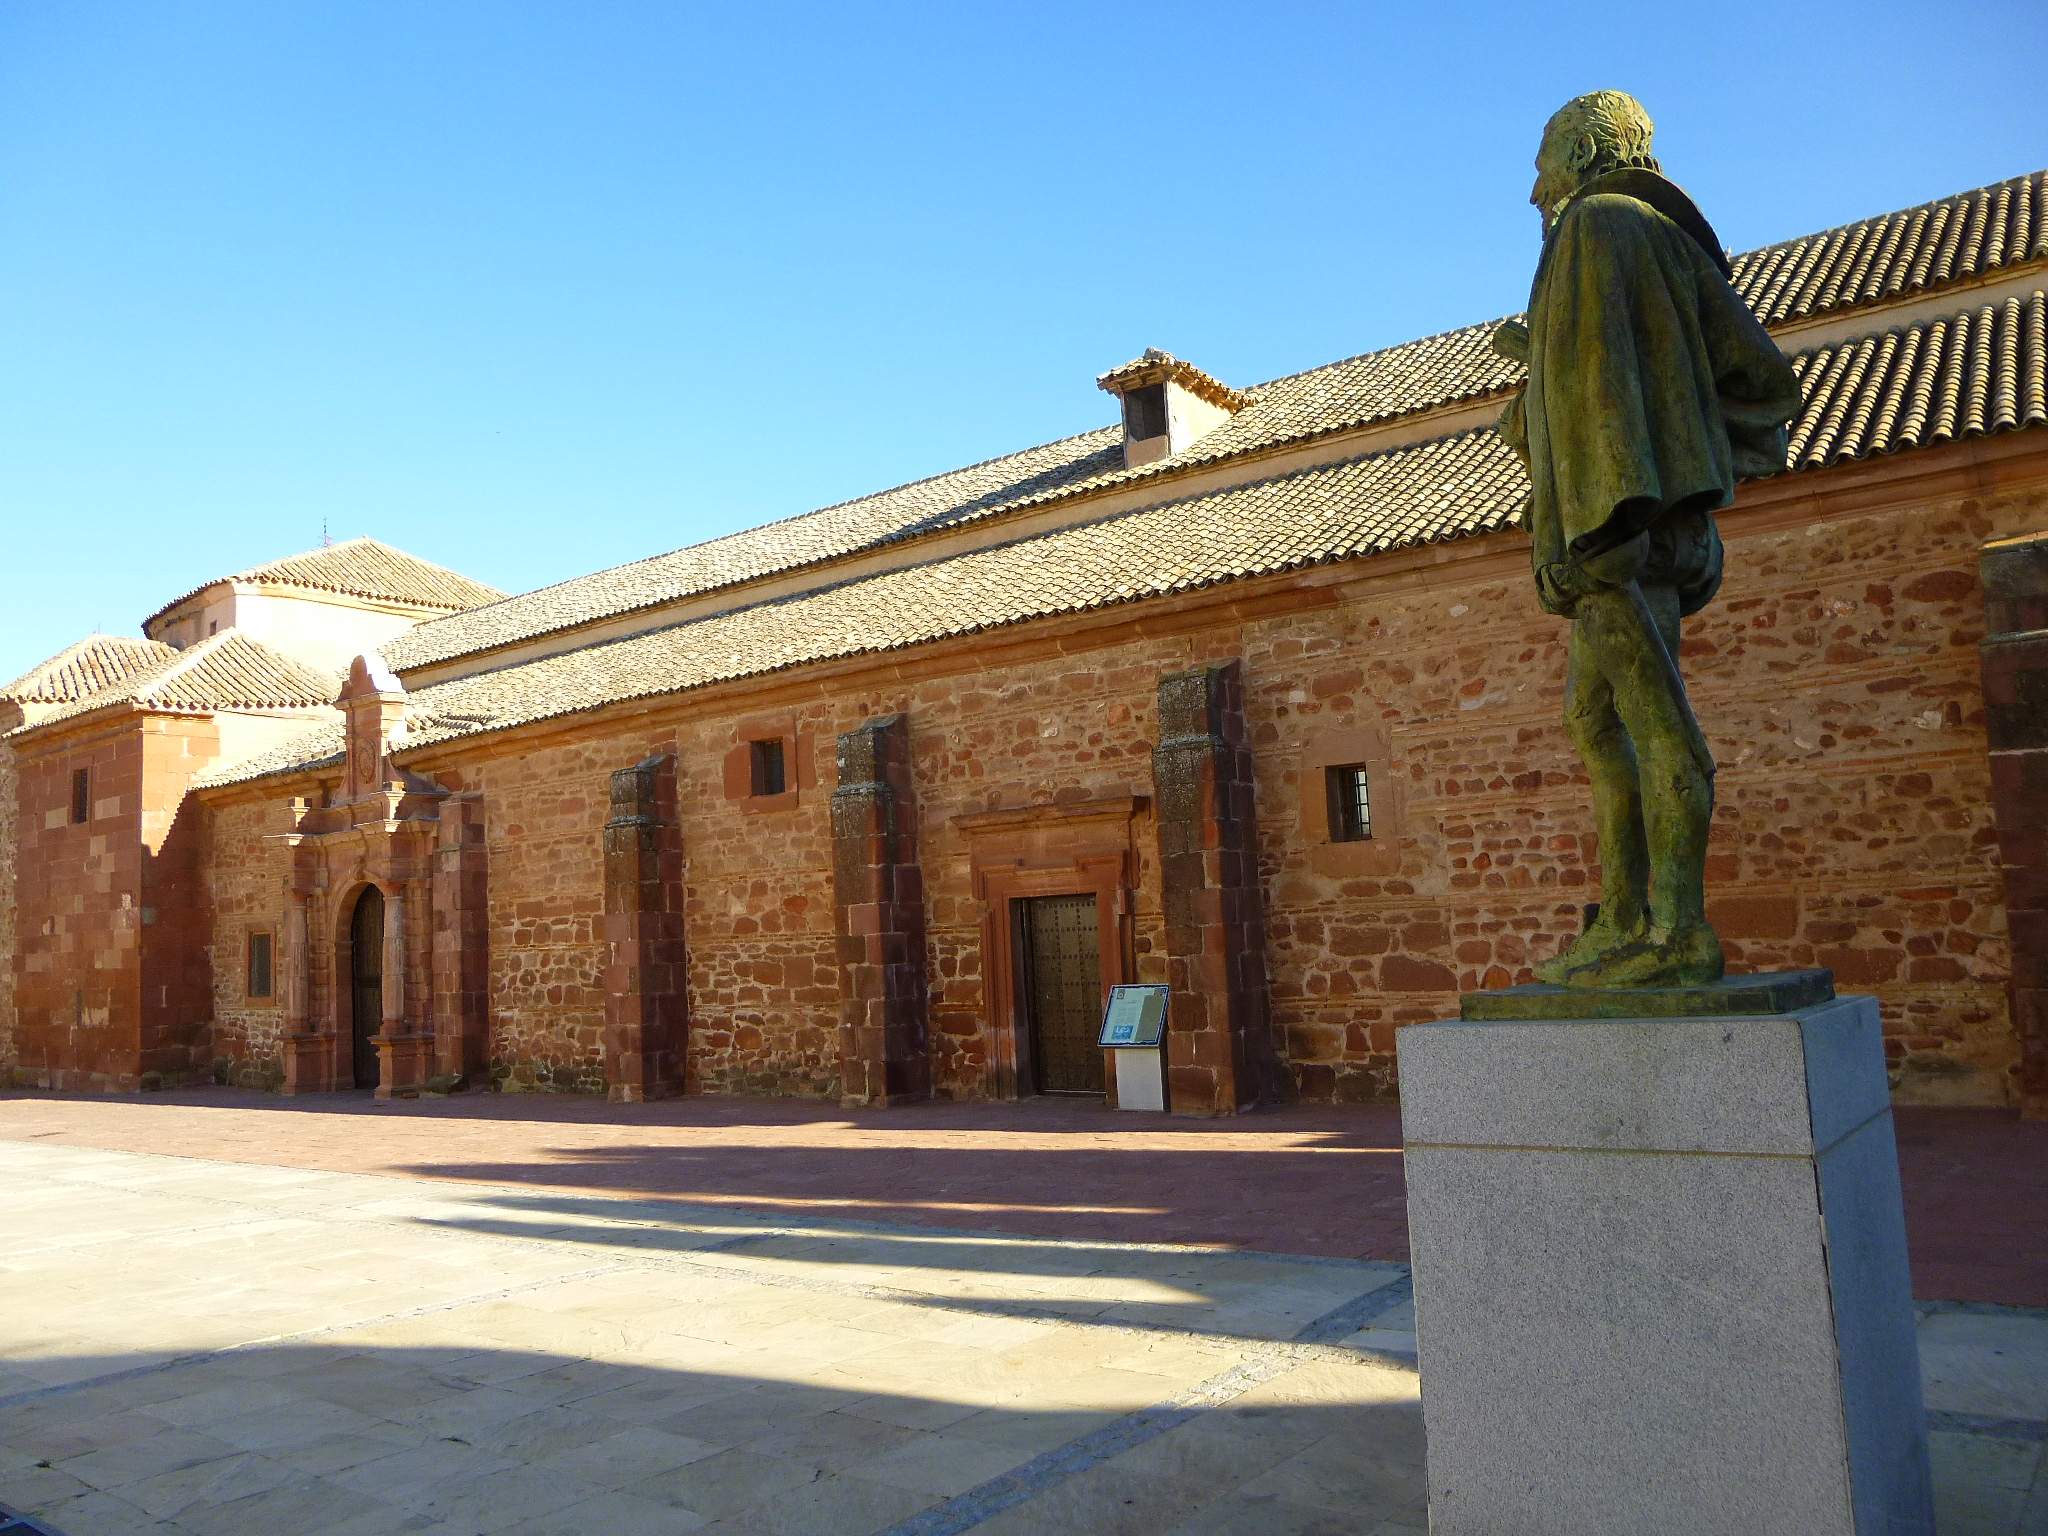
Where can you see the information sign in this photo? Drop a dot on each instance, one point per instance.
(1134, 1017)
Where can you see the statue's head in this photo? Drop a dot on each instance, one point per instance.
(1586, 137)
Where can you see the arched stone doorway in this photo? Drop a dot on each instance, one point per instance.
(366, 983)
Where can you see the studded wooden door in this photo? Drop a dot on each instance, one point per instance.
(1062, 972)
(366, 983)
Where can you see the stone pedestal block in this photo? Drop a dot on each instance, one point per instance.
(309, 1063)
(402, 1063)
(1660, 1275)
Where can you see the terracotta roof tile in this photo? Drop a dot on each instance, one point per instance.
(224, 671)
(1948, 241)
(1974, 372)
(1979, 371)
(1378, 386)
(78, 671)
(1951, 240)
(361, 568)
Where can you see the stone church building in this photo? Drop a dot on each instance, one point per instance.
(1245, 692)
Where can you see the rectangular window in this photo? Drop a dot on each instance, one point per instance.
(1145, 412)
(81, 795)
(1350, 804)
(770, 776)
(259, 965)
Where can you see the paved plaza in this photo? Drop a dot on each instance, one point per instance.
(222, 1315)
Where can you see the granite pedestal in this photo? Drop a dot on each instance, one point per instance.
(1660, 1277)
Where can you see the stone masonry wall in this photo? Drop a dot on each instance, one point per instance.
(757, 918)
(545, 811)
(1072, 728)
(2015, 667)
(78, 917)
(1837, 677)
(10, 1058)
(245, 874)
(177, 921)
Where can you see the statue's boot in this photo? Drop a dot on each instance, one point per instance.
(1665, 957)
(1600, 940)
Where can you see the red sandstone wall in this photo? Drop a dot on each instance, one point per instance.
(78, 972)
(244, 876)
(177, 923)
(764, 977)
(544, 817)
(10, 717)
(1837, 678)
(1073, 728)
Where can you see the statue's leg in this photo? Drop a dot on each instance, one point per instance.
(1677, 797)
(1595, 726)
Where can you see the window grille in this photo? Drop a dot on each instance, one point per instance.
(259, 965)
(771, 775)
(81, 795)
(1350, 792)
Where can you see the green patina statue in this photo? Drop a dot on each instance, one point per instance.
(1651, 388)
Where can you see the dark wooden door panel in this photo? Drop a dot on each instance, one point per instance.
(366, 978)
(1063, 990)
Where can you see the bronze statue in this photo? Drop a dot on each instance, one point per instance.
(1651, 388)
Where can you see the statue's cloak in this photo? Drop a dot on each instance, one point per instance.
(1652, 386)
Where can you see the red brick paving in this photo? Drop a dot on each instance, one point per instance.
(1323, 1180)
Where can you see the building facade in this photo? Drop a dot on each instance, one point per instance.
(1247, 694)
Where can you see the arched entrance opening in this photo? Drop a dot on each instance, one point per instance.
(366, 983)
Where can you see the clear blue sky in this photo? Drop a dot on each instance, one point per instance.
(534, 288)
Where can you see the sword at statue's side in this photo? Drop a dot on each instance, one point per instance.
(1605, 540)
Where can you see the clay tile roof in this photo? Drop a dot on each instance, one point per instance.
(1155, 365)
(361, 568)
(224, 671)
(1974, 372)
(1951, 240)
(1978, 371)
(96, 663)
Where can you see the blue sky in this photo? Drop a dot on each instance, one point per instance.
(534, 288)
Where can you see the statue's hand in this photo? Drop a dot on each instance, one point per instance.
(1559, 586)
(1511, 340)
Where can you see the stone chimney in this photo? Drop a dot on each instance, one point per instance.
(1169, 405)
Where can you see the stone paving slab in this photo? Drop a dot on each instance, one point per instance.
(197, 1346)
(1297, 1180)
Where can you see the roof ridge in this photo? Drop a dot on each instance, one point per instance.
(247, 571)
(1401, 380)
(1951, 380)
(77, 648)
(277, 571)
(1372, 352)
(1848, 225)
(775, 522)
(182, 663)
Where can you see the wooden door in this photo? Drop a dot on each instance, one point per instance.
(1061, 942)
(366, 983)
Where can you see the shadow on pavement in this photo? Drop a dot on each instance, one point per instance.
(307, 1439)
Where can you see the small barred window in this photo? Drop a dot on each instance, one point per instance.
(1350, 792)
(770, 771)
(259, 965)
